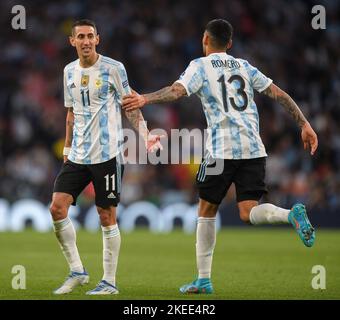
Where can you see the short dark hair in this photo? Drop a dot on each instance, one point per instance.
(84, 22)
(221, 32)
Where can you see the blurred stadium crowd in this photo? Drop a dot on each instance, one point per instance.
(156, 40)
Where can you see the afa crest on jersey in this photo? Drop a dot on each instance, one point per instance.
(98, 83)
(85, 80)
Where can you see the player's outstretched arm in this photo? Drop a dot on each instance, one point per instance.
(170, 93)
(152, 142)
(69, 131)
(308, 135)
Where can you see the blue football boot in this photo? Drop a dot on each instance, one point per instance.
(299, 220)
(202, 285)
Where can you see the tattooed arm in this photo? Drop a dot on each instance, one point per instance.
(152, 142)
(170, 93)
(166, 94)
(69, 129)
(287, 102)
(137, 121)
(308, 135)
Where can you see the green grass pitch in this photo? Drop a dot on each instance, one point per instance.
(249, 263)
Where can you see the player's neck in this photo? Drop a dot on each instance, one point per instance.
(86, 62)
(210, 50)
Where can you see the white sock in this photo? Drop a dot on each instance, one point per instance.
(67, 238)
(205, 244)
(267, 213)
(111, 246)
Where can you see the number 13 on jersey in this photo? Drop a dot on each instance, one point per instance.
(240, 91)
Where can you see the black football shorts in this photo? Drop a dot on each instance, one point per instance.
(248, 176)
(106, 178)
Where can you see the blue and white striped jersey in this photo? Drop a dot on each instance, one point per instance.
(225, 86)
(95, 94)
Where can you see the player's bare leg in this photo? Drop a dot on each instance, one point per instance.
(205, 244)
(111, 246)
(66, 236)
(245, 207)
(60, 205)
(266, 213)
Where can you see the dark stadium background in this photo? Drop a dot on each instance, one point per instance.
(156, 40)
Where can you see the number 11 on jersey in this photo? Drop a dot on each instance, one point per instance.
(83, 92)
(107, 178)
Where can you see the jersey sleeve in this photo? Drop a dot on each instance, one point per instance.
(192, 78)
(259, 81)
(68, 101)
(123, 81)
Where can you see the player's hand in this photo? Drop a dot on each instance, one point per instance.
(309, 138)
(153, 143)
(133, 101)
(65, 159)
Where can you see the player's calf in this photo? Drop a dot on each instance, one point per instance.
(244, 209)
(244, 216)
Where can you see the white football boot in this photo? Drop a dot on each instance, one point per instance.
(73, 280)
(103, 288)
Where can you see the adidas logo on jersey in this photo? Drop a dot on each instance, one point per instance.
(111, 196)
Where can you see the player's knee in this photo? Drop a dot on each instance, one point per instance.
(207, 210)
(104, 219)
(58, 211)
(211, 211)
(107, 216)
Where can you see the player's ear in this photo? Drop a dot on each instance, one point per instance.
(205, 39)
(97, 39)
(72, 41)
(230, 44)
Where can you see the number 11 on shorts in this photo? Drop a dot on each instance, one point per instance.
(107, 178)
